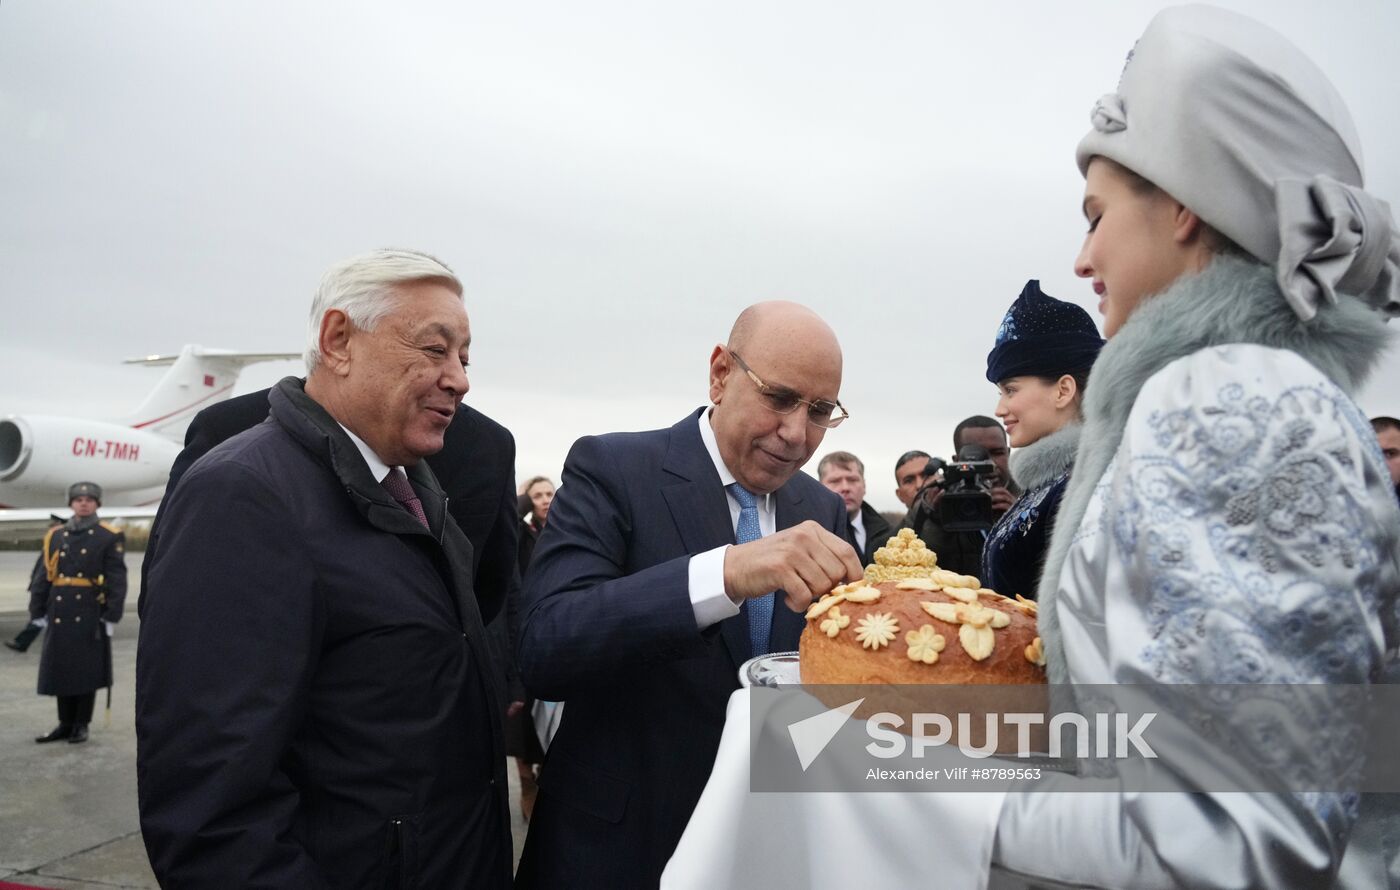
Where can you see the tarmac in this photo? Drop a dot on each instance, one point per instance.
(68, 814)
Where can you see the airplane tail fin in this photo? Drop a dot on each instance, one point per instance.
(198, 377)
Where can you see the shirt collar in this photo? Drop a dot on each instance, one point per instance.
(726, 478)
(377, 468)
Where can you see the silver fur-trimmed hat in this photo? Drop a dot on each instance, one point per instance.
(1232, 120)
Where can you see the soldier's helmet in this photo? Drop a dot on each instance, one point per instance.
(88, 489)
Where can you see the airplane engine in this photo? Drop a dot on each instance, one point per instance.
(40, 454)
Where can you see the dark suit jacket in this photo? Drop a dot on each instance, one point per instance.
(877, 532)
(476, 469)
(313, 703)
(610, 630)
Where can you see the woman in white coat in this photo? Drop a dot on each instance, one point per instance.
(1228, 520)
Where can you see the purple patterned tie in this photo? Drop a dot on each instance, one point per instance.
(396, 483)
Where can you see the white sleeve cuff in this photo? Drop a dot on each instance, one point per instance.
(707, 597)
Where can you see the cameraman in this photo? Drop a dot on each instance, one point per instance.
(962, 551)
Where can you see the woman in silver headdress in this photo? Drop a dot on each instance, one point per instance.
(1228, 521)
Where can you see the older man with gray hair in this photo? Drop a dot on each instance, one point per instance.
(314, 702)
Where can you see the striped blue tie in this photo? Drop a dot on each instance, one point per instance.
(760, 609)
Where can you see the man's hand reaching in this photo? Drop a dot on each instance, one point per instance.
(804, 562)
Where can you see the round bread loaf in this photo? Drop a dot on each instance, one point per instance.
(918, 631)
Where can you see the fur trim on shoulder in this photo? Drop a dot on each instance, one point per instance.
(1232, 300)
(1045, 459)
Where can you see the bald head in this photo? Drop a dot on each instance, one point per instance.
(792, 352)
(779, 321)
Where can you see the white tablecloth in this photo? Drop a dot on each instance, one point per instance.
(739, 839)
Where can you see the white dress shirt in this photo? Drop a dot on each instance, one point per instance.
(377, 467)
(707, 596)
(858, 524)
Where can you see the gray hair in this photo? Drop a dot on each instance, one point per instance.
(363, 288)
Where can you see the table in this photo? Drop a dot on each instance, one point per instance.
(740, 839)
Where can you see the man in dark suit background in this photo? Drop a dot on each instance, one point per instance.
(866, 529)
(654, 581)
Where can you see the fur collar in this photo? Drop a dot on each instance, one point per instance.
(1045, 459)
(77, 523)
(1232, 301)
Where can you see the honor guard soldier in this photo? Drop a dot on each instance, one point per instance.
(78, 590)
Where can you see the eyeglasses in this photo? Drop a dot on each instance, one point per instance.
(821, 412)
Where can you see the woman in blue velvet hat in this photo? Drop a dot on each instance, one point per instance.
(1040, 364)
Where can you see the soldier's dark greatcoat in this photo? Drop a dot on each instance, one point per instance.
(80, 582)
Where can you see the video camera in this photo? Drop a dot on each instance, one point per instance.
(966, 481)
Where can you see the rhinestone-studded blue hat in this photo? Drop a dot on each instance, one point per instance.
(1043, 337)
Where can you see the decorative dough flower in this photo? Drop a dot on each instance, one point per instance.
(863, 595)
(818, 609)
(980, 616)
(917, 584)
(925, 644)
(877, 629)
(974, 614)
(856, 592)
(1035, 652)
(948, 579)
(977, 622)
(835, 622)
(946, 612)
(961, 593)
(978, 642)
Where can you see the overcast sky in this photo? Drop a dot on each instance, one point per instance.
(613, 182)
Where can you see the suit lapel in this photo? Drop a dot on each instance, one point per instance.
(700, 509)
(430, 495)
(701, 513)
(456, 547)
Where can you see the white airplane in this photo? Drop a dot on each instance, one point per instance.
(41, 455)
